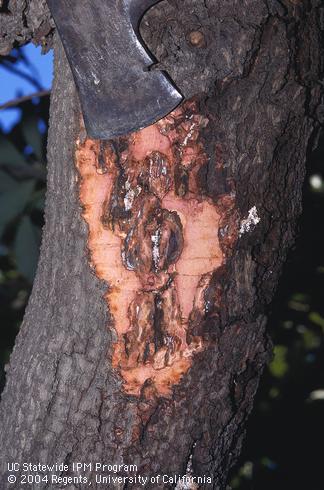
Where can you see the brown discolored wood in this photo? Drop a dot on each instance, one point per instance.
(154, 240)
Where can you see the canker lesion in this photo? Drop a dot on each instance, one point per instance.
(153, 237)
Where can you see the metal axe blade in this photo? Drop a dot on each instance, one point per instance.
(110, 65)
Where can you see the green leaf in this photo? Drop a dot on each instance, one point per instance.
(26, 248)
(13, 202)
(279, 365)
(316, 318)
(9, 154)
(32, 135)
(311, 340)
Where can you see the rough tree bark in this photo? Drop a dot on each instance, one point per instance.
(171, 395)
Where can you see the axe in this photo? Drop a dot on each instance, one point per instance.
(110, 65)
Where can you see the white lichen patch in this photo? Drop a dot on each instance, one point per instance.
(96, 80)
(248, 224)
(187, 482)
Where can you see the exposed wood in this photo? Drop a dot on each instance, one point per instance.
(255, 78)
(154, 240)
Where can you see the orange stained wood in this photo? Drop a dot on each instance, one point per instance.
(143, 351)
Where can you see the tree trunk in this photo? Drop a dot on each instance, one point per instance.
(144, 337)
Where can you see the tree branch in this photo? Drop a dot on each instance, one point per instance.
(24, 98)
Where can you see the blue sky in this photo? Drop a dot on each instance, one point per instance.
(13, 86)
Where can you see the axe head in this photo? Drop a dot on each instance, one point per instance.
(118, 93)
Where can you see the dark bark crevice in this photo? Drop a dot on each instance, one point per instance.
(22, 21)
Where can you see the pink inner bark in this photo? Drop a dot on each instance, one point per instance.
(132, 294)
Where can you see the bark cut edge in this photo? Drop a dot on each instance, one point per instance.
(159, 242)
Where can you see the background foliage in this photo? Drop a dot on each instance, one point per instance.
(284, 446)
(22, 193)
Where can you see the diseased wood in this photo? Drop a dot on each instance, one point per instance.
(153, 237)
